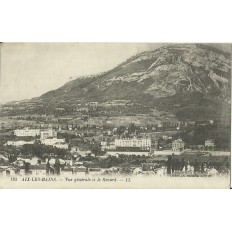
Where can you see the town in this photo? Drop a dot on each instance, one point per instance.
(87, 141)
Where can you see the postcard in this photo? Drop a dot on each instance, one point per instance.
(115, 115)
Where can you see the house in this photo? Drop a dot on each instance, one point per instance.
(10, 171)
(52, 141)
(19, 143)
(74, 149)
(178, 145)
(173, 124)
(84, 153)
(107, 145)
(35, 161)
(209, 143)
(61, 145)
(39, 170)
(27, 132)
(52, 161)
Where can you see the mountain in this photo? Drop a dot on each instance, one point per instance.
(185, 81)
(182, 78)
(164, 72)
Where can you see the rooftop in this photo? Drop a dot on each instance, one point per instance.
(128, 149)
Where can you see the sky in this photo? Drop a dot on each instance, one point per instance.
(30, 69)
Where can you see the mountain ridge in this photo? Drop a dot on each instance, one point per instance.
(179, 78)
(145, 67)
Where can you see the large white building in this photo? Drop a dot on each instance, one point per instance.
(52, 141)
(18, 143)
(143, 143)
(43, 133)
(61, 145)
(27, 132)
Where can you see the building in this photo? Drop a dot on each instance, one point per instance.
(143, 143)
(9, 171)
(27, 132)
(178, 145)
(172, 124)
(61, 145)
(209, 143)
(52, 141)
(38, 170)
(105, 145)
(74, 149)
(19, 143)
(43, 133)
(46, 133)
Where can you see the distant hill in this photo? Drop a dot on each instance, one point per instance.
(190, 80)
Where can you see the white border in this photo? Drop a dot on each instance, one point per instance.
(115, 21)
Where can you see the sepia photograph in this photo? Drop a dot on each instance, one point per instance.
(115, 115)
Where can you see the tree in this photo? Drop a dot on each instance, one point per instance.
(120, 130)
(131, 128)
(110, 162)
(126, 168)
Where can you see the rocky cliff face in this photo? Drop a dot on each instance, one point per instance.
(185, 79)
(170, 70)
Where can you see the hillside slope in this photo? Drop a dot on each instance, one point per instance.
(175, 77)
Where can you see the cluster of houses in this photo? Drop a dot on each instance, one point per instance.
(144, 146)
(37, 167)
(47, 137)
(70, 165)
(127, 146)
